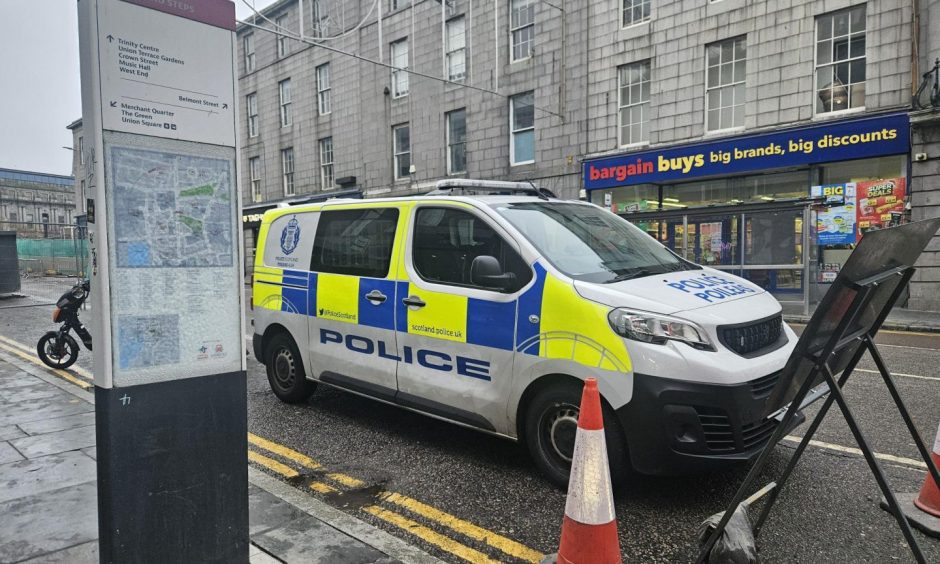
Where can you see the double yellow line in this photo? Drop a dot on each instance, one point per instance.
(395, 509)
(398, 510)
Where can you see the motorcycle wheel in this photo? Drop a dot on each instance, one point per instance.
(65, 356)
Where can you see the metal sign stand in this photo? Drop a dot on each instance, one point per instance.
(874, 296)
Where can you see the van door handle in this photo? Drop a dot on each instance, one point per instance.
(413, 301)
(376, 297)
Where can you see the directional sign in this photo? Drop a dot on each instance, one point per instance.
(165, 76)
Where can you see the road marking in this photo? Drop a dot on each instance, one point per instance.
(347, 481)
(322, 488)
(509, 546)
(899, 374)
(428, 535)
(58, 372)
(273, 465)
(910, 462)
(26, 348)
(290, 454)
(908, 347)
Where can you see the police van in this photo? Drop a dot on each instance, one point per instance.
(486, 304)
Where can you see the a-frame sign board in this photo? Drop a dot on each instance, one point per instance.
(840, 331)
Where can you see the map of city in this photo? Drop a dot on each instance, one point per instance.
(171, 210)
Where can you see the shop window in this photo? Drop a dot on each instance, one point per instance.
(864, 169)
(769, 187)
(628, 199)
(725, 90)
(634, 103)
(840, 60)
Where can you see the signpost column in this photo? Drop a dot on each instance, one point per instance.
(158, 102)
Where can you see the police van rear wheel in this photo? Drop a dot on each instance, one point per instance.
(286, 371)
(551, 425)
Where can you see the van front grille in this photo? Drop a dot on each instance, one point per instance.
(751, 338)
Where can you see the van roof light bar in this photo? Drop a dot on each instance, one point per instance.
(453, 186)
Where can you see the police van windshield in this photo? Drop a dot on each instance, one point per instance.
(588, 243)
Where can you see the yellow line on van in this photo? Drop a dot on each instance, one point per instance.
(281, 450)
(322, 488)
(430, 536)
(509, 546)
(26, 348)
(60, 373)
(273, 465)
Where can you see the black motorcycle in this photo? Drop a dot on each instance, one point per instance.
(58, 349)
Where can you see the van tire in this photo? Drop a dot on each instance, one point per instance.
(557, 407)
(286, 370)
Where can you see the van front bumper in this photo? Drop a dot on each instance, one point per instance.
(676, 427)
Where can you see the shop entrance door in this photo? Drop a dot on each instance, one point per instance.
(767, 246)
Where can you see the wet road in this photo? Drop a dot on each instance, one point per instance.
(462, 495)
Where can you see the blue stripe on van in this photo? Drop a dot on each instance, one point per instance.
(312, 294)
(401, 310)
(491, 324)
(530, 303)
(295, 278)
(294, 300)
(377, 315)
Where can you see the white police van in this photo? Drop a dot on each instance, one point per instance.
(489, 311)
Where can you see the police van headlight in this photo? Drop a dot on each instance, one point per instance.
(657, 329)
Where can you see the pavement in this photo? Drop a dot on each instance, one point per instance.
(899, 319)
(48, 493)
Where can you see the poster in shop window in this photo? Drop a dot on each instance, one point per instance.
(836, 224)
(880, 203)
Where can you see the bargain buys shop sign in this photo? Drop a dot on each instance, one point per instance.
(829, 142)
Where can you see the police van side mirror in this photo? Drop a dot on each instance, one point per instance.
(486, 272)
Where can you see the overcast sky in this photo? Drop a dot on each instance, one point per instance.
(41, 92)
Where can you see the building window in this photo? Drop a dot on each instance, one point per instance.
(283, 47)
(284, 89)
(401, 151)
(521, 29)
(634, 103)
(248, 44)
(725, 87)
(456, 49)
(251, 102)
(323, 89)
(522, 128)
(287, 170)
(81, 150)
(399, 55)
(82, 199)
(635, 12)
(457, 141)
(399, 4)
(326, 163)
(254, 176)
(840, 60)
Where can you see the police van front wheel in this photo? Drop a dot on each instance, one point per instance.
(550, 428)
(286, 371)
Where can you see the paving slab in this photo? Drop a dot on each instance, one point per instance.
(309, 540)
(11, 432)
(31, 477)
(85, 553)
(19, 394)
(46, 408)
(8, 454)
(47, 522)
(58, 423)
(91, 452)
(267, 511)
(53, 443)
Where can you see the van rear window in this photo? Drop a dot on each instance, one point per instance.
(355, 242)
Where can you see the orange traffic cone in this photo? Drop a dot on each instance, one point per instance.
(929, 498)
(923, 510)
(589, 531)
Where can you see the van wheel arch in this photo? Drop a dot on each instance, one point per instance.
(284, 366)
(272, 331)
(569, 387)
